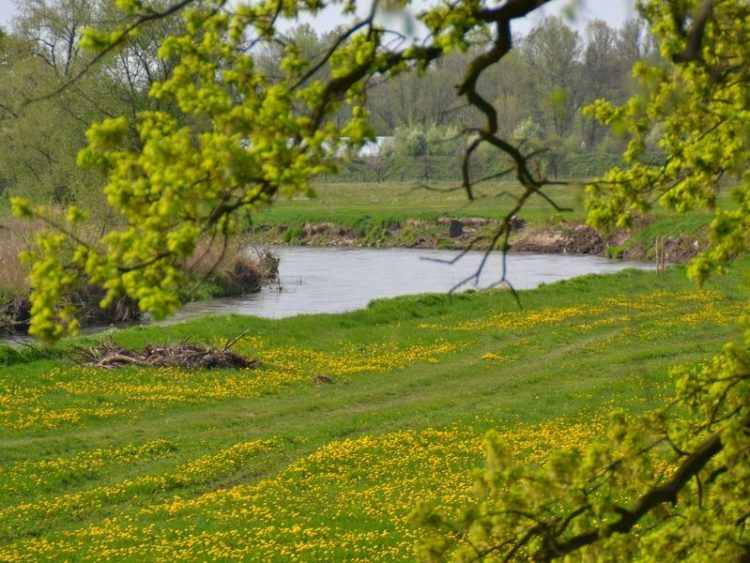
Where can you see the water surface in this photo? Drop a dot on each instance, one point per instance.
(332, 280)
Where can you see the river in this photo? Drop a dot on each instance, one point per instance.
(332, 280)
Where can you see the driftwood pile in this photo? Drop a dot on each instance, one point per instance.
(15, 315)
(183, 355)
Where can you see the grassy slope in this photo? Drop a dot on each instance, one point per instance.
(142, 463)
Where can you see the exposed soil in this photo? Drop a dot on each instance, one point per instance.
(570, 239)
(677, 250)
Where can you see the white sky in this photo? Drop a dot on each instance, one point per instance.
(7, 7)
(614, 12)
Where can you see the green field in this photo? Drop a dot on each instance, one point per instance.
(277, 463)
(348, 204)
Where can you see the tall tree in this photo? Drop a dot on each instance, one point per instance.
(504, 84)
(55, 28)
(40, 143)
(41, 139)
(602, 72)
(635, 43)
(553, 52)
(137, 66)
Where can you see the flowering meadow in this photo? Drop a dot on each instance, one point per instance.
(352, 421)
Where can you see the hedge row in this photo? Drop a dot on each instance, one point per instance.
(448, 168)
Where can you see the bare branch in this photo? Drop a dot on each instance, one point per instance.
(121, 38)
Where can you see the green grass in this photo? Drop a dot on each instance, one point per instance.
(266, 464)
(349, 204)
(352, 204)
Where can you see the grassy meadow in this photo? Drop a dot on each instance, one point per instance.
(349, 203)
(323, 452)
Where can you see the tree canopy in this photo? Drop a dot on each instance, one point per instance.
(225, 137)
(673, 484)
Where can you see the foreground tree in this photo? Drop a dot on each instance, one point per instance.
(675, 484)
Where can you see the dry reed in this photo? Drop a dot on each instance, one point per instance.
(16, 235)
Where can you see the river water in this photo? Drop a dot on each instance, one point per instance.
(332, 280)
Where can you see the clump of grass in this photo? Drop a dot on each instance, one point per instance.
(17, 235)
(231, 268)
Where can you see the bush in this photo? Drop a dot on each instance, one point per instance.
(231, 268)
(294, 234)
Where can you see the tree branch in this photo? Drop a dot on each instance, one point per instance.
(117, 42)
(687, 470)
(694, 37)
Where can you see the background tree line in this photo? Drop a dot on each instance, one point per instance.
(538, 89)
(47, 101)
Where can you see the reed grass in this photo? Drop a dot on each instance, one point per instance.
(15, 236)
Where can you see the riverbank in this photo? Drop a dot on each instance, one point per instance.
(323, 451)
(401, 215)
(451, 233)
(385, 215)
(214, 271)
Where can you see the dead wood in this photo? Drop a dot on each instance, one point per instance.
(320, 379)
(110, 355)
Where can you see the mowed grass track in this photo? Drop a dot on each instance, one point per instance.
(278, 464)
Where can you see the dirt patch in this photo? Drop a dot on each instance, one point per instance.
(322, 379)
(312, 229)
(684, 248)
(677, 250)
(568, 239)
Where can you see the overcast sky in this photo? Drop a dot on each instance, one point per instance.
(614, 12)
(7, 8)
